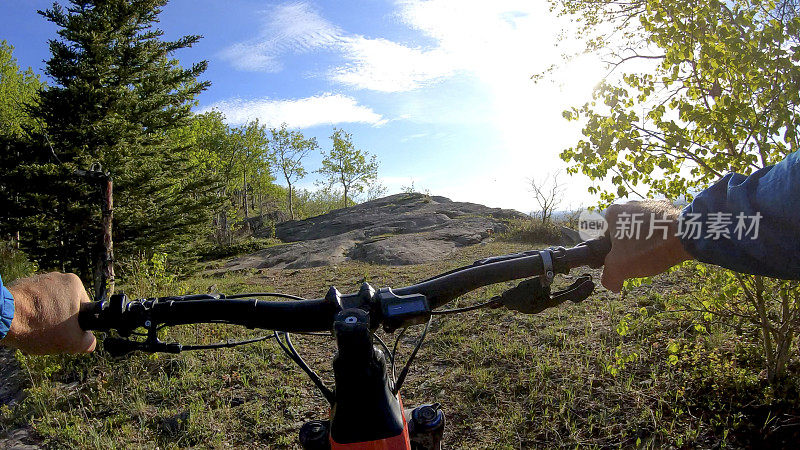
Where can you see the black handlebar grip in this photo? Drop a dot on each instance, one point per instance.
(598, 249)
(119, 347)
(89, 316)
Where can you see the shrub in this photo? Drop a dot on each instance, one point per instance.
(766, 307)
(764, 313)
(14, 263)
(211, 252)
(146, 276)
(531, 231)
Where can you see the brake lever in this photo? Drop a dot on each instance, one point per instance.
(578, 291)
(152, 344)
(532, 297)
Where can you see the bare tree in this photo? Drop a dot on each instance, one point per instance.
(548, 193)
(572, 216)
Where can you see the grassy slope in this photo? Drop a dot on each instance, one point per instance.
(566, 377)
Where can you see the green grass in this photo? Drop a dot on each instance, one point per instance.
(569, 377)
(530, 231)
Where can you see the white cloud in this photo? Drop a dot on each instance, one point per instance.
(290, 28)
(298, 113)
(386, 66)
(470, 35)
(411, 137)
(481, 38)
(374, 64)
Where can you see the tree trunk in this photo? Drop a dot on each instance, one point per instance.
(104, 257)
(766, 337)
(224, 235)
(244, 194)
(107, 278)
(291, 206)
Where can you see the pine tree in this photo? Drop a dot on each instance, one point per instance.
(118, 98)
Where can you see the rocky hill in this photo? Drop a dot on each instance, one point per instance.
(398, 229)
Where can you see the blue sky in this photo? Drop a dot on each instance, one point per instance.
(440, 90)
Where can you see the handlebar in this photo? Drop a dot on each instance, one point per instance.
(443, 289)
(387, 306)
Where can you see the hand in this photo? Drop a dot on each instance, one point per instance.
(638, 256)
(46, 315)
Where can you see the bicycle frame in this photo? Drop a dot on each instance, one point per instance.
(366, 413)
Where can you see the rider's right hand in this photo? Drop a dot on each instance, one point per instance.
(632, 254)
(46, 315)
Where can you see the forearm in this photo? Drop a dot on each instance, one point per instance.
(46, 315)
(769, 201)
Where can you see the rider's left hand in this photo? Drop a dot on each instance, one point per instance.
(46, 315)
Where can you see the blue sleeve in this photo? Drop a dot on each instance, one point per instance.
(6, 309)
(770, 199)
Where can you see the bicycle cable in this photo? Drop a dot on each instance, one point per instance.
(492, 302)
(388, 354)
(226, 344)
(394, 349)
(403, 373)
(385, 347)
(263, 294)
(290, 351)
